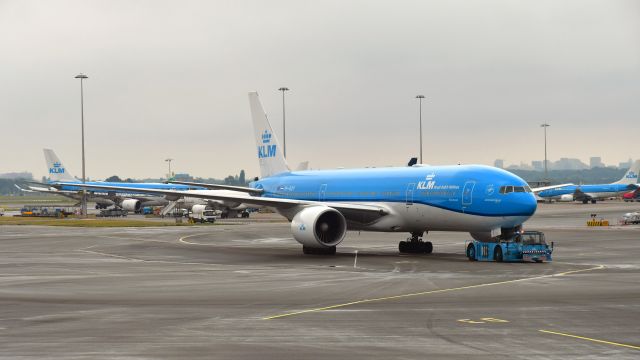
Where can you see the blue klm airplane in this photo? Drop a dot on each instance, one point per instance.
(592, 193)
(63, 183)
(323, 204)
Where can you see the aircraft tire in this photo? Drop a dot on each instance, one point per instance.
(497, 254)
(315, 251)
(427, 247)
(471, 252)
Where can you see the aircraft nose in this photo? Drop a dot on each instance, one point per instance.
(529, 204)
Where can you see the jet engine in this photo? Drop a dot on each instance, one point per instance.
(566, 198)
(319, 227)
(130, 205)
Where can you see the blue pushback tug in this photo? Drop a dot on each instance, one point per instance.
(525, 246)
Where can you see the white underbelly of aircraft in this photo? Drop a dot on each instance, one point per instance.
(419, 217)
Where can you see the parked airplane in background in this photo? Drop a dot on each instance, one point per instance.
(323, 204)
(63, 183)
(592, 193)
(101, 201)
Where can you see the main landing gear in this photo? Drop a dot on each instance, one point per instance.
(415, 245)
(318, 251)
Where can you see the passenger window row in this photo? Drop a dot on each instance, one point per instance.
(509, 189)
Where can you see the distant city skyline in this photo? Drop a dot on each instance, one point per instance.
(563, 163)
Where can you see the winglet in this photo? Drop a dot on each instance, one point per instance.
(269, 153)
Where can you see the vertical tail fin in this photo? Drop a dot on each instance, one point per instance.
(631, 176)
(303, 166)
(269, 153)
(55, 168)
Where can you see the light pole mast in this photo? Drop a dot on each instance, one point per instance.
(284, 128)
(420, 98)
(546, 174)
(169, 160)
(83, 206)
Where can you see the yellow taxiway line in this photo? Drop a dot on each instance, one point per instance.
(590, 339)
(364, 301)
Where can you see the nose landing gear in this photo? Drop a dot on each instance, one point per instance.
(415, 245)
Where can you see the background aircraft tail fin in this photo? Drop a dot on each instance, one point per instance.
(631, 176)
(55, 168)
(269, 153)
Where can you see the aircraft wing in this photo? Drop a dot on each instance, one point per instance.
(544, 188)
(23, 190)
(278, 203)
(31, 189)
(248, 190)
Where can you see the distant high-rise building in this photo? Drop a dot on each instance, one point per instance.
(595, 161)
(569, 164)
(625, 164)
(537, 165)
(499, 163)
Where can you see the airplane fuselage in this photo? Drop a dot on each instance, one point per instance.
(601, 191)
(442, 198)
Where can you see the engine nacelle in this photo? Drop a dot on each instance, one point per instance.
(131, 205)
(319, 227)
(566, 198)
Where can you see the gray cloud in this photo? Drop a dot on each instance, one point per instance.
(170, 79)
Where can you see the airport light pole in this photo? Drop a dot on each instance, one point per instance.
(284, 128)
(169, 160)
(546, 174)
(83, 206)
(420, 98)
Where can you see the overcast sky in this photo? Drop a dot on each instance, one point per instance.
(170, 79)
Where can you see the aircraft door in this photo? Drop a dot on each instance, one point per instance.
(467, 193)
(323, 192)
(409, 193)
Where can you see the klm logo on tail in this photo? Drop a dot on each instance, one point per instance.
(56, 169)
(632, 175)
(266, 150)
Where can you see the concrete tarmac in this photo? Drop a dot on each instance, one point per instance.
(246, 291)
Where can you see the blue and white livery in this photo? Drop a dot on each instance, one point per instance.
(322, 205)
(592, 193)
(63, 183)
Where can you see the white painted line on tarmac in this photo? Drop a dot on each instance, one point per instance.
(363, 301)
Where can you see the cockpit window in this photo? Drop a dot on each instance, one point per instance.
(509, 189)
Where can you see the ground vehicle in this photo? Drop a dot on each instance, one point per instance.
(46, 211)
(113, 213)
(201, 214)
(631, 218)
(631, 196)
(234, 214)
(525, 246)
